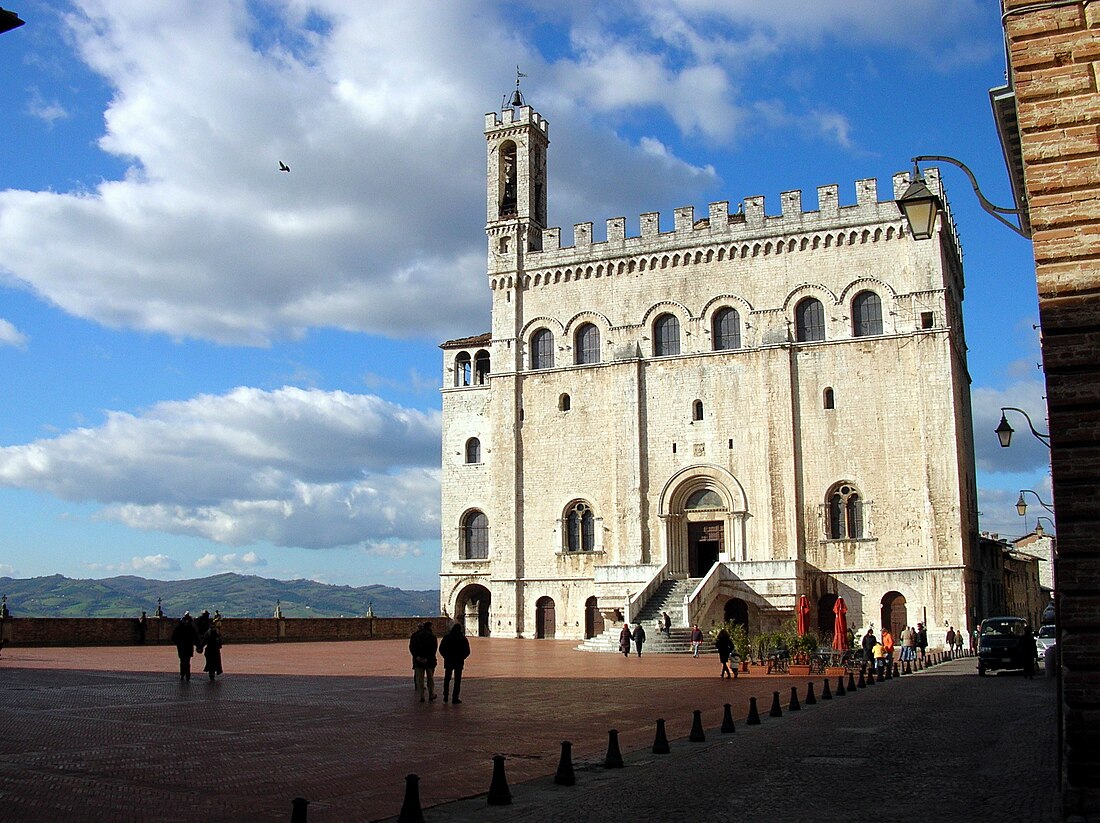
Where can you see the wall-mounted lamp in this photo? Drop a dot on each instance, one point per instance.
(1005, 431)
(1039, 524)
(921, 207)
(1021, 506)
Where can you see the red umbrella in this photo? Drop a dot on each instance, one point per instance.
(840, 627)
(803, 610)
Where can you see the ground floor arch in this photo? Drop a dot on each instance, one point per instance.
(826, 617)
(703, 512)
(895, 616)
(472, 609)
(736, 611)
(593, 618)
(545, 618)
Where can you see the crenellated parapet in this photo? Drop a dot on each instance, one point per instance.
(523, 116)
(749, 232)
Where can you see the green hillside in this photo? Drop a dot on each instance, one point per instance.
(235, 595)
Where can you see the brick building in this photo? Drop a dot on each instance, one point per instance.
(1053, 149)
(732, 413)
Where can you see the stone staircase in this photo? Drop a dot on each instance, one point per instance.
(668, 598)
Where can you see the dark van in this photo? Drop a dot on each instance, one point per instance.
(1005, 643)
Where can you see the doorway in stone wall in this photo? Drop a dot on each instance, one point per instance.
(593, 618)
(705, 541)
(545, 619)
(895, 617)
(472, 609)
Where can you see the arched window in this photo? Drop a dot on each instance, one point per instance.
(475, 536)
(697, 410)
(507, 181)
(542, 349)
(580, 528)
(866, 314)
(845, 513)
(481, 368)
(828, 399)
(586, 345)
(473, 450)
(726, 329)
(666, 335)
(564, 403)
(462, 369)
(704, 499)
(809, 320)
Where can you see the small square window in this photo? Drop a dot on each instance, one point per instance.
(926, 319)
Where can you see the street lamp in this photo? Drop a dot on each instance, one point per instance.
(9, 20)
(1039, 524)
(921, 207)
(1004, 431)
(1021, 506)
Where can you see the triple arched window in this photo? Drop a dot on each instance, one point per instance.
(809, 321)
(475, 536)
(726, 329)
(580, 528)
(866, 314)
(845, 513)
(586, 345)
(666, 335)
(542, 349)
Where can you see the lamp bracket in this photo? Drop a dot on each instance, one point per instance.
(997, 212)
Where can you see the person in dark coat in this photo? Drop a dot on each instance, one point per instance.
(666, 624)
(624, 640)
(724, 643)
(212, 646)
(639, 637)
(922, 640)
(185, 638)
(422, 647)
(202, 624)
(869, 647)
(454, 648)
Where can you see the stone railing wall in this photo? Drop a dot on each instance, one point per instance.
(123, 631)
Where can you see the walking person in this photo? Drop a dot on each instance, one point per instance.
(869, 648)
(422, 647)
(908, 645)
(666, 624)
(212, 649)
(888, 646)
(949, 641)
(724, 643)
(922, 641)
(624, 640)
(639, 637)
(959, 642)
(184, 638)
(454, 648)
(696, 640)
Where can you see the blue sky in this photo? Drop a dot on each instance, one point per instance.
(209, 365)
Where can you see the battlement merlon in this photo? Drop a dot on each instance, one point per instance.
(525, 115)
(751, 220)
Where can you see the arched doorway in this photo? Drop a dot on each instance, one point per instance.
(894, 614)
(472, 609)
(736, 611)
(703, 510)
(545, 620)
(826, 618)
(593, 618)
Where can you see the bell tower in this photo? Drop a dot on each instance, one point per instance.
(516, 142)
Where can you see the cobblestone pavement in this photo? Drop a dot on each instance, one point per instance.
(112, 734)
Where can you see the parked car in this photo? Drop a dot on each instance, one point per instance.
(1047, 637)
(1005, 643)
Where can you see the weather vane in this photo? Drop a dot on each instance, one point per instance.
(517, 96)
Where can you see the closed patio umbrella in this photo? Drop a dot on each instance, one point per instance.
(803, 610)
(840, 626)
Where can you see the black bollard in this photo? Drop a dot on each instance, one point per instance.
(862, 682)
(727, 720)
(810, 699)
(410, 807)
(565, 776)
(888, 674)
(660, 742)
(754, 716)
(897, 671)
(826, 692)
(614, 759)
(697, 734)
(870, 677)
(794, 705)
(851, 682)
(840, 690)
(881, 675)
(298, 810)
(499, 795)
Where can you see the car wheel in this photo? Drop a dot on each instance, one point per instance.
(981, 670)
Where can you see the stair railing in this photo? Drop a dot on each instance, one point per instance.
(696, 602)
(636, 602)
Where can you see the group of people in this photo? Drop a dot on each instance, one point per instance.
(454, 648)
(200, 634)
(626, 636)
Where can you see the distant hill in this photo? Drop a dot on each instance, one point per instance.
(235, 595)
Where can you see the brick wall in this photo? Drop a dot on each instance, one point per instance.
(71, 631)
(1054, 55)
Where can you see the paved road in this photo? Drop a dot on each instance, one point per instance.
(111, 734)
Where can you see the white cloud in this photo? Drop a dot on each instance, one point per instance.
(392, 548)
(1027, 454)
(230, 562)
(11, 336)
(292, 467)
(6, 570)
(148, 563)
(49, 111)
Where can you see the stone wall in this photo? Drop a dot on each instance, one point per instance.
(1054, 57)
(123, 631)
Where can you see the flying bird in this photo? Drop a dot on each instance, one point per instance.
(283, 166)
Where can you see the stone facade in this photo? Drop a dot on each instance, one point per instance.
(1054, 72)
(770, 405)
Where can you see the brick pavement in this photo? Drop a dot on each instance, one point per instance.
(110, 733)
